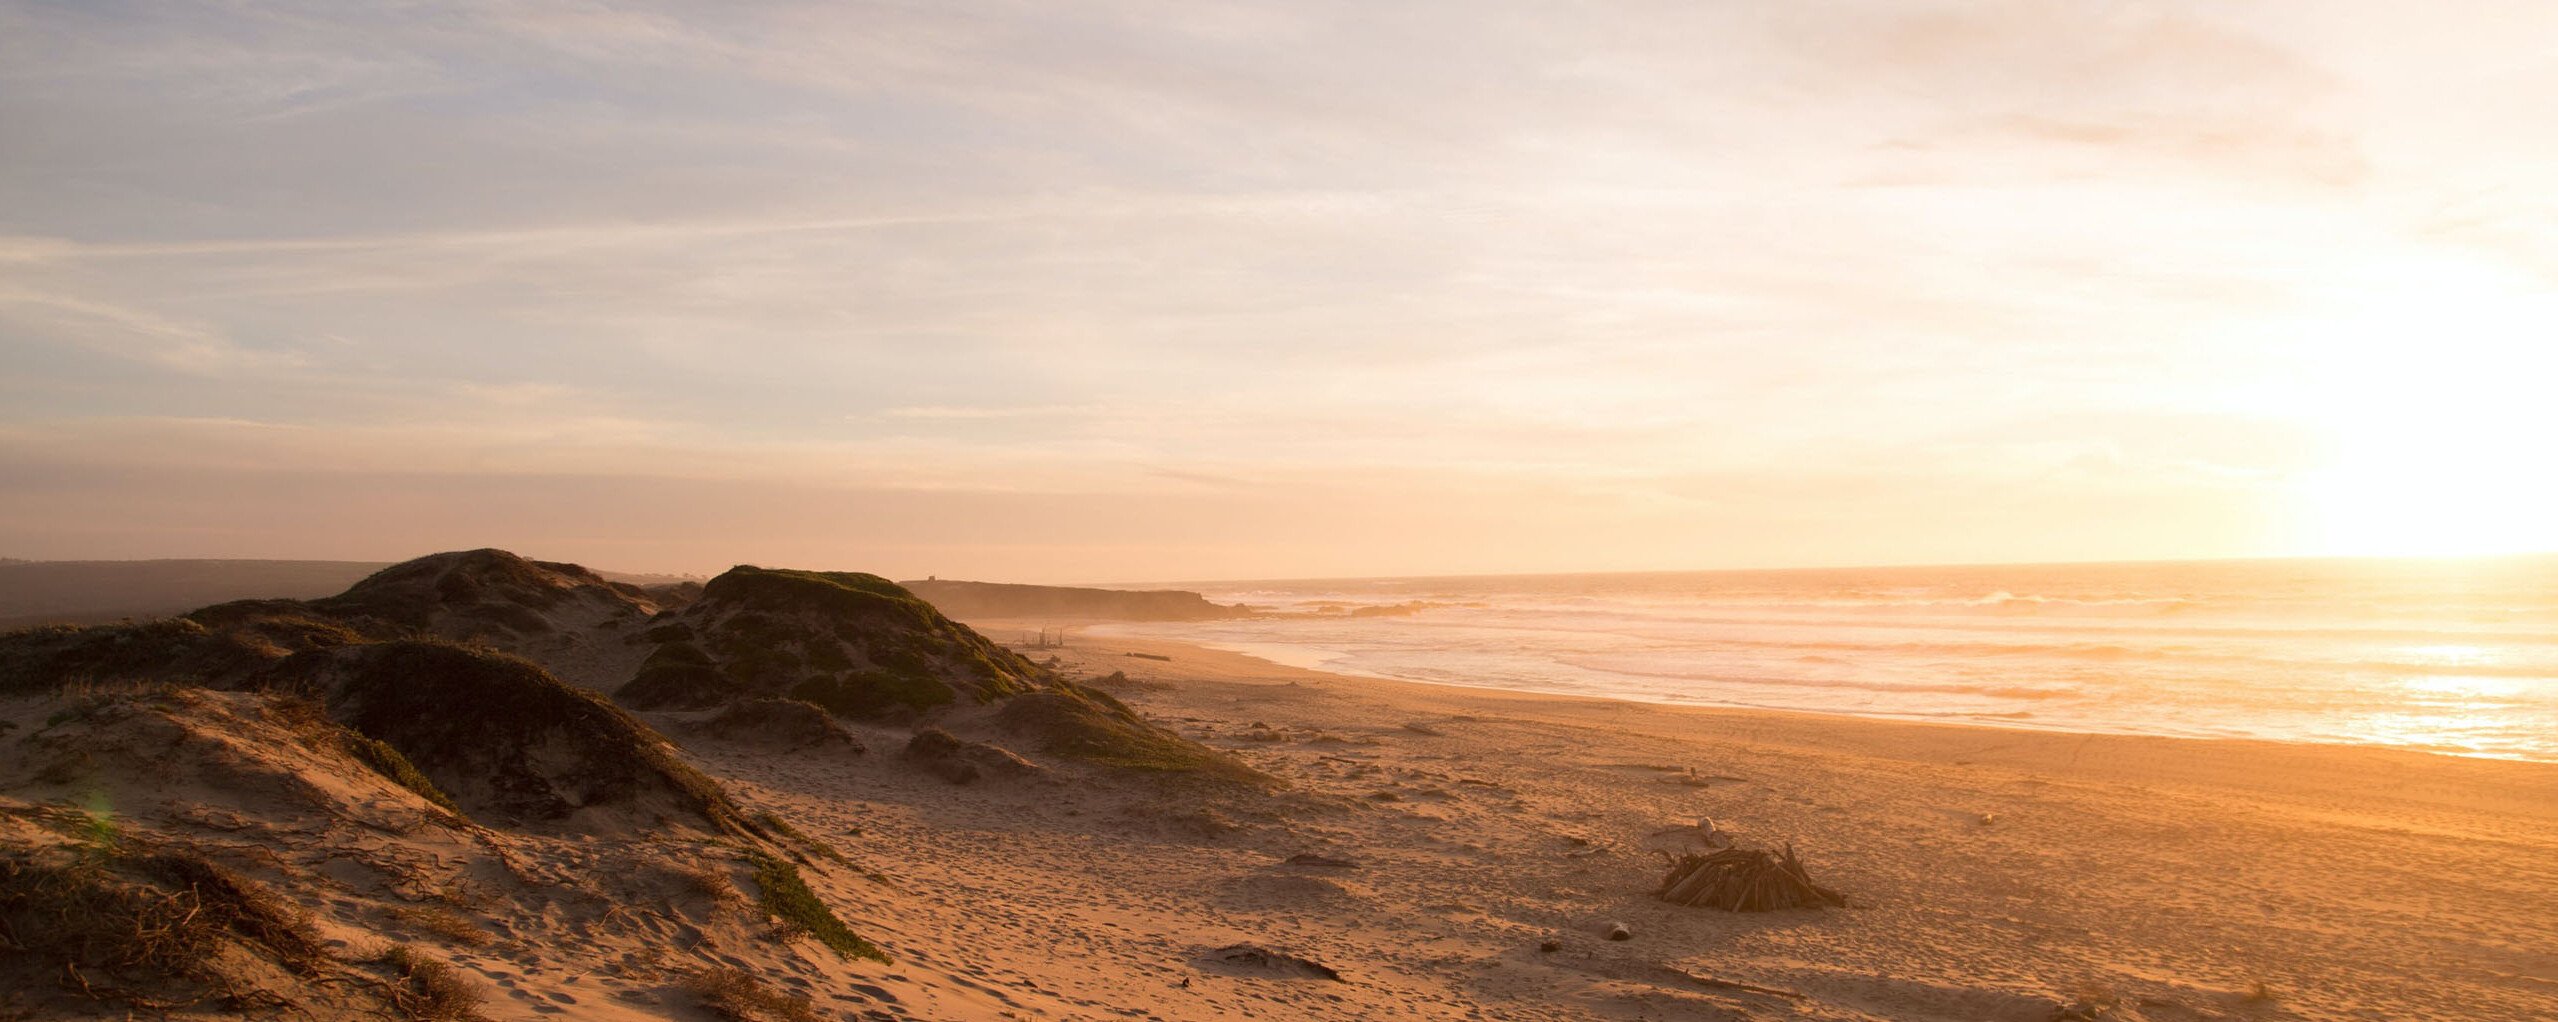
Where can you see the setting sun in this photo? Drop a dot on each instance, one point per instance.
(2431, 386)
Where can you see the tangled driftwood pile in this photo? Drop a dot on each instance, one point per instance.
(1743, 880)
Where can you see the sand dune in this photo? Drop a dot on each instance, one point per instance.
(1223, 839)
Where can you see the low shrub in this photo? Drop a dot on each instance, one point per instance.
(786, 898)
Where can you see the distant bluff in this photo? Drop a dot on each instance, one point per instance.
(979, 600)
(857, 644)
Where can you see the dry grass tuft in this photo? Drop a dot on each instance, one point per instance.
(442, 922)
(166, 921)
(738, 996)
(706, 884)
(427, 990)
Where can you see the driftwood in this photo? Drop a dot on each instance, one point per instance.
(1743, 880)
(1712, 983)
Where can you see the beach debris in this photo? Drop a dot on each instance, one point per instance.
(1419, 728)
(1583, 847)
(1326, 861)
(1690, 779)
(1149, 656)
(1712, 983)
(1620, 931)
(1743, 880)
(1988, 818)
(2095, 1005)
(1255, 958)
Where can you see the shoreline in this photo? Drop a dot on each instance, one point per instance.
(1101, 634)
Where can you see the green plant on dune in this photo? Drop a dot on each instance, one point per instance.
(388, 762)
(782, 830)
(678, 675)
(786, 898)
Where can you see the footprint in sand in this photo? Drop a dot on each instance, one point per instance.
(875, 993)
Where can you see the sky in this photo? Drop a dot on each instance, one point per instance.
(1129, 291)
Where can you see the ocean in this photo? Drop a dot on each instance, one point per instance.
(2456, 657)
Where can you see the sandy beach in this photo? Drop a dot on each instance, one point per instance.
(1393, 850)
(1992, 874)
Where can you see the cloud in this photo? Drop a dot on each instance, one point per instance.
(1126, 252)
(950, 413)
(133, 334)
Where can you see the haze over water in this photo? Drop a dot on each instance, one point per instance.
(2450, 656)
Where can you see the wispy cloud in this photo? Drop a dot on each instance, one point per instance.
(948, 413)
(1626, 264)
(133, 334)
